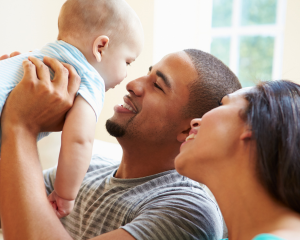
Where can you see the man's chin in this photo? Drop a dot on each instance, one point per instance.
(114, 129)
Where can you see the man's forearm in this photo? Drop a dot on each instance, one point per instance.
(23, 191)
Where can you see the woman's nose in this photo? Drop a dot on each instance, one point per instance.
(136, 86)
(196, 122)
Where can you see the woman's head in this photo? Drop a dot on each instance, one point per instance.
(274, 116)
(260, 122)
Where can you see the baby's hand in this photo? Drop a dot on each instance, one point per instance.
(62, 207)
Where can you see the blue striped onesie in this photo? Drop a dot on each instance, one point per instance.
(92, 86)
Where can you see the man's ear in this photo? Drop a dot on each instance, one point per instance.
(183, 135)
(100, 44)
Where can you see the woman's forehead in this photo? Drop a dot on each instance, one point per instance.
(242, 91)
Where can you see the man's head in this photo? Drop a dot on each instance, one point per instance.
(159, 107)
(108, 32)
(214, 81)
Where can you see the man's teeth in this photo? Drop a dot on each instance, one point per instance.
(191, 136)
(125, 105)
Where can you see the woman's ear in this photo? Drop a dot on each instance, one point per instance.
(100, 44)
(246, 135)
(183, 135)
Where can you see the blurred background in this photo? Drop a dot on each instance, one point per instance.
(257, 39)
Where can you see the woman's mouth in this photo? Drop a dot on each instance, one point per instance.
(190, 137)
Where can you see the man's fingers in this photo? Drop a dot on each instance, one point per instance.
(4, 57)
(61, 73)
(74, 80)
(29, 71)
(42, 70)
(14, 54)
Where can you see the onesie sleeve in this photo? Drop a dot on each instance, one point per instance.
(92, 89)
(177, 215)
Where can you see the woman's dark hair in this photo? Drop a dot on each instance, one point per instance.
(274, 116)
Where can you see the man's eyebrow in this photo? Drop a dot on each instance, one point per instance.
(164, 78)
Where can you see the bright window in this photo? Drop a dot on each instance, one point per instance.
(247, 35)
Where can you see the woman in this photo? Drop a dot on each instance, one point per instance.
(247, 151)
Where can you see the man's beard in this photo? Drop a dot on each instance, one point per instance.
(114, 129)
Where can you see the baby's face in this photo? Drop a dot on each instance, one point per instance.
(113, 66)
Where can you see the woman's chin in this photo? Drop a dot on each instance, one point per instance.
(180, 162)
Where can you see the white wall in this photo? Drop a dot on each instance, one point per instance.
(291, 49)
(27, 24)
(181, 24)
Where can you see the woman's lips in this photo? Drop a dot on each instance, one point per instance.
(189, 138)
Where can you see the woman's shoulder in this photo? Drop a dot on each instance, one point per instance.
(264, 237)
(267, 237)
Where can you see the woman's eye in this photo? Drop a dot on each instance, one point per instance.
(157, 86)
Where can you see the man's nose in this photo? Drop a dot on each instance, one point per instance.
(136, 86)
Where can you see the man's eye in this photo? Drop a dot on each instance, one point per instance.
(157, 86)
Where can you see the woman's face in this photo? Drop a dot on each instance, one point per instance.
(214, 139)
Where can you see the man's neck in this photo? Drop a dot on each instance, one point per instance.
(142, 161)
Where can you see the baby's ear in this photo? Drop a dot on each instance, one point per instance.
(100, 44)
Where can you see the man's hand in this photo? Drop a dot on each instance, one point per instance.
(38, 104)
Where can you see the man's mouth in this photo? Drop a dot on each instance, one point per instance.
(129, 105)
(125, 105)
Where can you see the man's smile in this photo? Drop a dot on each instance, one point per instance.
(128, 104)
(126, 107)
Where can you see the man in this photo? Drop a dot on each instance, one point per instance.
(143, 197)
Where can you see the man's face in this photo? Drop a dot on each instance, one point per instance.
(152, 110)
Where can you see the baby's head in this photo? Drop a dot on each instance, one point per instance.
(108, 33)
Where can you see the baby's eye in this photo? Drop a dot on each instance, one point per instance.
(128, 64)
(220, 103)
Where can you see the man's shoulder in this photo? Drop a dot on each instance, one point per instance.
(172, 184)
(100, 162)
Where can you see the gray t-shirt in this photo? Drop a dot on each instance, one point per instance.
(162, 206)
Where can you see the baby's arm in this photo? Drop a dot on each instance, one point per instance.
(76, 149)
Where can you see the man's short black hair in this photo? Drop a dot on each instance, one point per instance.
(214, 81)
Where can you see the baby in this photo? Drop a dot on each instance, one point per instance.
(99, 38)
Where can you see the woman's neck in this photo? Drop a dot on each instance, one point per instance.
(247, 208)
